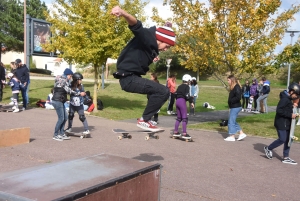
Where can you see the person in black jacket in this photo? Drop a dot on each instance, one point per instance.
(2, 80)
(234, 103)
(135, 59)
(282, 122)
(22, 73)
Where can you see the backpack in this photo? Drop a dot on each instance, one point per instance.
(41, 103)
(99, 104)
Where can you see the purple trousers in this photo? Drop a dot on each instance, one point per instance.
(181, 111)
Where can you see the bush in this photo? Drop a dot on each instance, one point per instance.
(41, 71)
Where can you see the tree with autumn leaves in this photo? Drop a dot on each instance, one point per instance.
(226, 36)
(85, 32)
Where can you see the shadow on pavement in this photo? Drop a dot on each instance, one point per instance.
(148, 157)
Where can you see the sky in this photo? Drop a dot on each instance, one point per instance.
(164, 12)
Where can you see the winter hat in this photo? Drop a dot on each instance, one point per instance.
(166, 35)
(68, 71)
(18, 61)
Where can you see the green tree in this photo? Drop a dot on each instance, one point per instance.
(228, 36)
(85, 32)
(12, 19)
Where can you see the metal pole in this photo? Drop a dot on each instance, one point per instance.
(289, 69)
(28, 53)
(102, 76)
(168, 68)
(25, 43)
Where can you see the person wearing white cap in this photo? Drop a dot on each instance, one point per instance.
(135, 59)
(194, 90)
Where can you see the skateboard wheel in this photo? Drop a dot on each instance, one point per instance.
(129, 136)
(119, 137)
(81, 137)
(147, 138)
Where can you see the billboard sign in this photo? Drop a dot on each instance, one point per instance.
(40, 32)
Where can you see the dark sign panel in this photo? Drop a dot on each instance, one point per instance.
(40, 35)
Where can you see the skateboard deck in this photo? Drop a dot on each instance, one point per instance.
(125, 134)
(249, 106)
(292, 130)
(181, 138)
(81, 135)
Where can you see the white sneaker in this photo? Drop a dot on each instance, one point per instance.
(14, 107)
(169, 112)
(241, 136)
(173, 112)
(68, 130)
(154, 123)
(86, 132)
(243, 110)
(16, 110)
(11, 103)
(230, 139)
(23, 109)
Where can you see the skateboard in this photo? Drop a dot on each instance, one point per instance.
(125, 134)
(292, 130)
(249, 106)
(81, 135)
(6, 110)
(181, 138)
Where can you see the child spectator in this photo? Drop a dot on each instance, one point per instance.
(76, 104)
(171, 84)
(194, 90)
(183, 95)
(245, 95)
(15, 88)
(254, 92)
(48, 104)
(282, 122)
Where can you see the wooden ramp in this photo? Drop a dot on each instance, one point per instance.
(11, 137)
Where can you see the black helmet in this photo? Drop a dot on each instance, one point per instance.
(295, 87)
(77, 76)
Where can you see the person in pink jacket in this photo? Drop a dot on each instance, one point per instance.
(171, 84)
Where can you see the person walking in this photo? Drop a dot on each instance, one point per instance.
(171, 84)
(22, 74)
(263, 97)
(234, 103)
(182, 95)
(135, 59)
(60, 91)
(282, 122)
(245, 95)
(76, 104)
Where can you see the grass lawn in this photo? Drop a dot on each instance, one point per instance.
(119, 105)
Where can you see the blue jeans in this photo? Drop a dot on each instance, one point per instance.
(62, 117)
(233, 126)
(283, 138)
(24, 95)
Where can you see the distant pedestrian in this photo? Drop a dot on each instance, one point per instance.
(15, 89)
(2, 80)
(61, 89)
(183, 95)
(171, 84)
(282, 122)
(254, 93)
(234, 103)
(245, 95)
(22, 74)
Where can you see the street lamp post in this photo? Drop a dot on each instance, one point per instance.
(168, 67)
(292, 34)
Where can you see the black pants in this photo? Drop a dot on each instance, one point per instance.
(1, 91)
(245, 100)
(171, 103)
(157, 93)
(254, 100)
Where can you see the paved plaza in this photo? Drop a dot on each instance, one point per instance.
(207, 169)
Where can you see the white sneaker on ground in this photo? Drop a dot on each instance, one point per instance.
(68, 130)
(16, 110)
(65, 137)
(23, 109)
(241, 136)
(256, 112)
(14, 107)
(86, 132)
(169, 112)
(58, 138)
(230, 139)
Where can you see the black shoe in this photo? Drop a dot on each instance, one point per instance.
(268, 152)
(186, 136)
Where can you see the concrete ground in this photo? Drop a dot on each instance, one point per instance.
(207, 169)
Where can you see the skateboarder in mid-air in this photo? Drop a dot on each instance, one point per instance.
(282, 123)
(182, 95)
(134, 60)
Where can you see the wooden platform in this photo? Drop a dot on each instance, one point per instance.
(100, 177)
(11, 137)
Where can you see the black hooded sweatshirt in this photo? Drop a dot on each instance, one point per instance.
(139, 53)
(284, 112)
